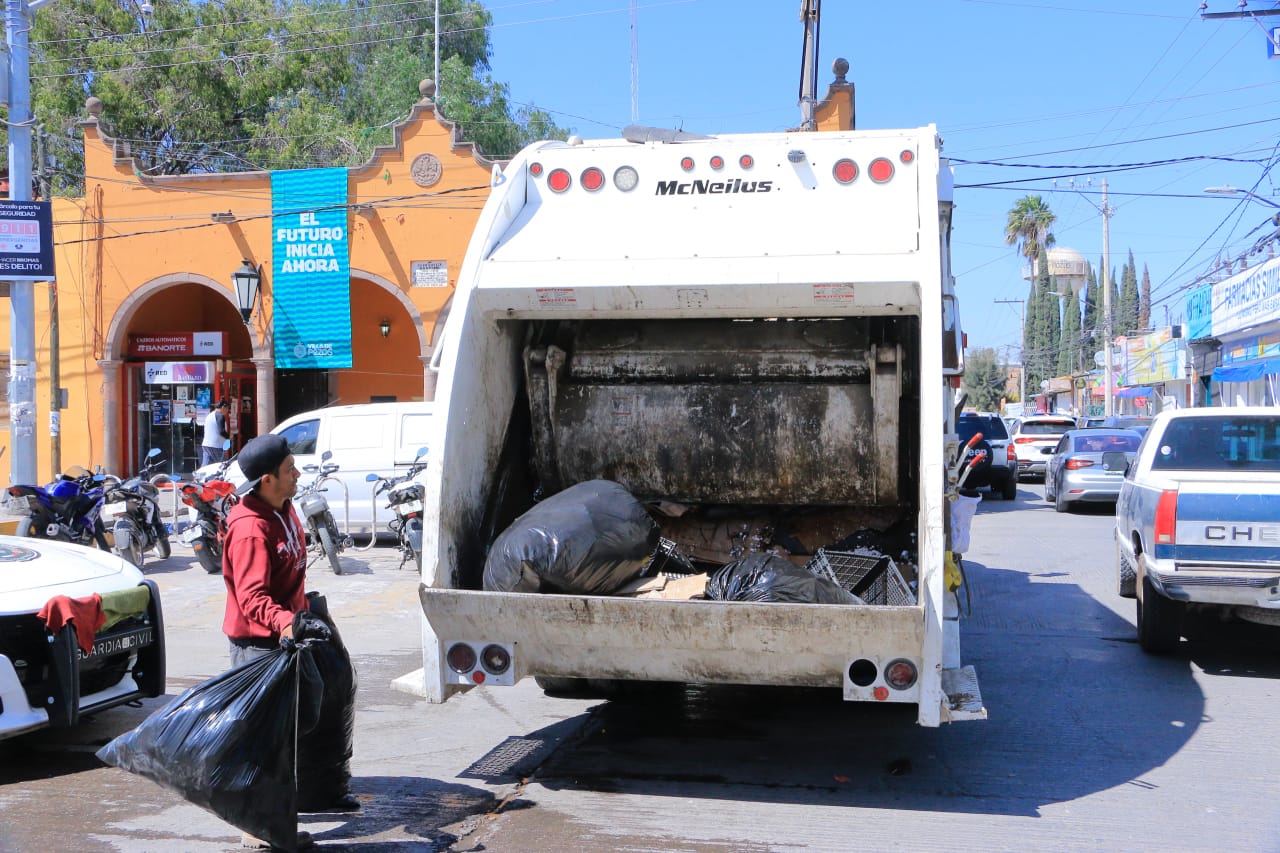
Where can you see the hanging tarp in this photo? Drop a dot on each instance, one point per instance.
(1134, 392)
(1248, 370)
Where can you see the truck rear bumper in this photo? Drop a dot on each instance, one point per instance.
(1240, 587)
(690, 641)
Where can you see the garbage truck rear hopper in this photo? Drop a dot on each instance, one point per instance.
(757, 336)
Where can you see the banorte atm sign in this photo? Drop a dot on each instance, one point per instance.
(197, 344)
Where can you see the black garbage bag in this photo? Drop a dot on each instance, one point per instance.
(324, 752)
(770, 577)
(590, 539)
(228, 744)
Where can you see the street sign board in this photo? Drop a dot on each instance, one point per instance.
(26, 240)
(1273, 42)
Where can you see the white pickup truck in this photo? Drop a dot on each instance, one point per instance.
(1198, 520)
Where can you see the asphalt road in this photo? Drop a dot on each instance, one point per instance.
(1090, 745)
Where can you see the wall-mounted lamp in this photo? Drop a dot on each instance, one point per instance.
(246, 281)
(385, 327)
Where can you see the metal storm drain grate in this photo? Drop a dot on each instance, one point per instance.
(514, 757)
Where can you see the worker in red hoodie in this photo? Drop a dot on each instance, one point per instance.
(264, 553)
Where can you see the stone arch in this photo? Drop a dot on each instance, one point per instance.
(119, 325)
(115, 345)
(405, 302)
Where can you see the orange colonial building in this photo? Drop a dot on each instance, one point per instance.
(148, 323)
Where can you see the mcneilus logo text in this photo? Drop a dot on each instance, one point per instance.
(737, 185)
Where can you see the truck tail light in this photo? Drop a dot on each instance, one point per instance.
(1166, 524)
(559, 180)
(461, 658)
(880, 170)
(1076, 464)
(845, 171)
(900, 674)
(495, 659)
(626, 178)
(591, 179)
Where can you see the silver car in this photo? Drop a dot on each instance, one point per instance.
(1089, 465)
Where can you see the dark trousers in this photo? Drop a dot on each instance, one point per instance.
(210, 455)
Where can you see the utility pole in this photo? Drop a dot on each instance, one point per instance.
(22, 308)
(1106, 300)
(1022, 351)
(810, 16)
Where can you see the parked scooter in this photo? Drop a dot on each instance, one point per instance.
(66, 509)
(208, 501)
(132, 509)
(322, 529)
(405, 497)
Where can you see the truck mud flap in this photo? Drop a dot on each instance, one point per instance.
(681, 641)
(963, 698)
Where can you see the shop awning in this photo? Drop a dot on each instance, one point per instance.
(1140, 391)
(1248, 370)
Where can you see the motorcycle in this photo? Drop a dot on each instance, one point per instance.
(405, 499)
(322, 529)
(132, 508)
(208, 501)
(66, 509)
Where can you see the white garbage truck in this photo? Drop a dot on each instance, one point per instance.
(757, 336)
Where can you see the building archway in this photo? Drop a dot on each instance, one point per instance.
(174, 345)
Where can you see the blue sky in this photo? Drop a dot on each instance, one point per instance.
(1083, 85)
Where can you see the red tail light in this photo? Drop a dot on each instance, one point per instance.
(1076, 464)
(1024, 439)
(746, 161)
(845, 171)
(907, 156)
(559, 180)
(900, 674)
(1013, 454)
(535, 169)
(591, 179)
(686, 163)
(880, 170)
(1166, 526)
(717, 162)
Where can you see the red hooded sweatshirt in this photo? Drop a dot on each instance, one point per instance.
(264, 564)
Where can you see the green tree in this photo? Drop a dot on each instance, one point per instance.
(1092, 317)
(251, 84)
(1144, 302)
(984, 379)
(1126, 310)
(1069, 351)
(1029, 228)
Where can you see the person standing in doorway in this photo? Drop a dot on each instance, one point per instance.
(215, 434)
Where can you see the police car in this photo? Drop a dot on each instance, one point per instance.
(81, 631)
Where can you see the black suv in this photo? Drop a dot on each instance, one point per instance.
(998, 469)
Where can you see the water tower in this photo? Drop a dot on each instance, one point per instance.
(1066, 266)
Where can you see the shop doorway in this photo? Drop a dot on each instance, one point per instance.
(172, 401)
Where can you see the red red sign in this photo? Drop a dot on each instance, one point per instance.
(178, 344)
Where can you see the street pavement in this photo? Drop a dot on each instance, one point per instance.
(425, 775)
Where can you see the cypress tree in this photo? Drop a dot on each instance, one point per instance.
(1092, 316)
(1144, 306)
(1069, 353)
(1126, 316)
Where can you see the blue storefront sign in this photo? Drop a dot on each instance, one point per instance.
(311, 269)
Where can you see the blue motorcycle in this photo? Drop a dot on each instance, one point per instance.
(67, 509)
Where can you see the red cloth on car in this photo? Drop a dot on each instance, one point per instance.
(85, 612)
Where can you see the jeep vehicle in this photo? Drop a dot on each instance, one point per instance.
(999, 469)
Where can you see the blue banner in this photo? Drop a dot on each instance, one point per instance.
(310, 268)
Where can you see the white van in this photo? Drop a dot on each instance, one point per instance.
(378, 438)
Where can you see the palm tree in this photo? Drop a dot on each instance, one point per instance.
(1030, 227)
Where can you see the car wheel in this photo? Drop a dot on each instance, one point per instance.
(1060, 501)
(1048, 495)
(1127, 578)
(1010, 487)
(1159, 620)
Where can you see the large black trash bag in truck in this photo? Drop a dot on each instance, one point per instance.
(324, 752)
(772, 578)
(589, 539)
(228, 744)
